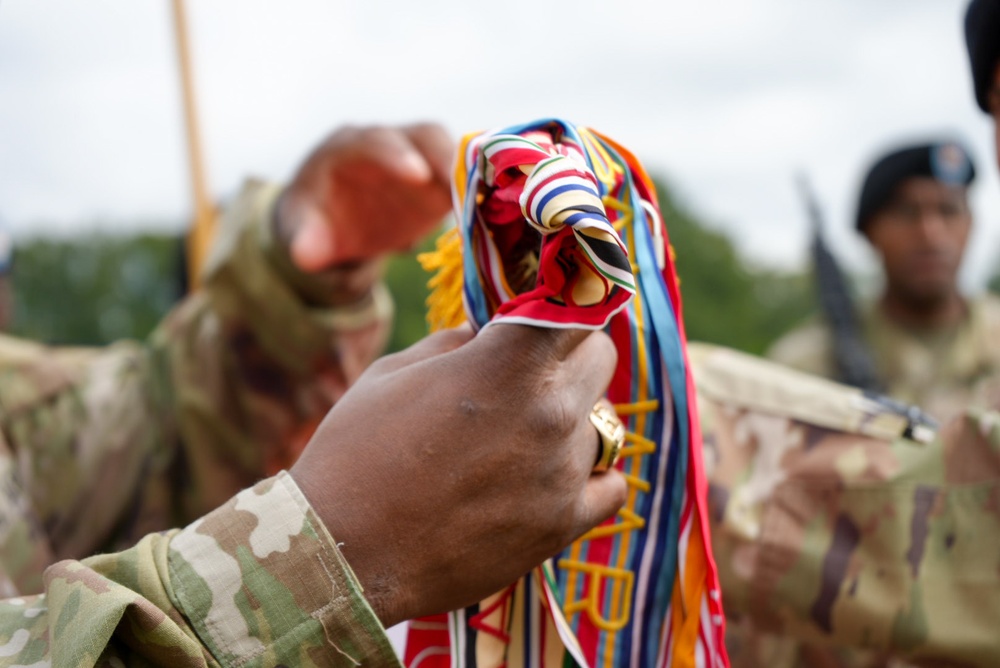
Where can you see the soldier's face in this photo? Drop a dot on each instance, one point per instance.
(921, 235)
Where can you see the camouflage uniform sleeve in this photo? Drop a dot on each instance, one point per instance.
(257, 582)
(808, 348)
(831, 528)
(255, 359)
(100, 447)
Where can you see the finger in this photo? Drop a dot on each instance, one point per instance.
(556, 344)
(591, 364)
(430, 346)
(392, 151)
(437, 148)
(587, 443)
(313, 244)
(610, 435)
(603, 496)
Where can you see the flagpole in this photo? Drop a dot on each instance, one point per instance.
(203, 227)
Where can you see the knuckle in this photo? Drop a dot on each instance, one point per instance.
(370, 130)
(372, 134)
(605, 346)
(552, 419)
(452, 338)
(383, 365)
(342, 135)
(425, 128)
(541, 349)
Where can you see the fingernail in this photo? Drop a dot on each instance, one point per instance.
(413, 166)
(311, 245)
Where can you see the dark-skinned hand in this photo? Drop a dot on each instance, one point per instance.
(365, 192)
(452, 468)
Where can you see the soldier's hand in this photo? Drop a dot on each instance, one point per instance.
(365, 192)
(454, 467)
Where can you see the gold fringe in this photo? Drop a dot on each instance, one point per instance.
(444, 304)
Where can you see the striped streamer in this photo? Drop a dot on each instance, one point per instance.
(559, 227)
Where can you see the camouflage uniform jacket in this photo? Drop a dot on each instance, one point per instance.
(828, 525)
(104, 450)
(831, 527)
(943, 372)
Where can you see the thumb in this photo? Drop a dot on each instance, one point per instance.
(313, 244)
(556, 343)
(430, 346)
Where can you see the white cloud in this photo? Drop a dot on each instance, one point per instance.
(728, 97)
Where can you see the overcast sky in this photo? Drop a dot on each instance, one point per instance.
(727, 98)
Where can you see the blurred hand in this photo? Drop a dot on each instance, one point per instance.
(365, 192)
(452, 468)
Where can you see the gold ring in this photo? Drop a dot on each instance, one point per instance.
(612, 433)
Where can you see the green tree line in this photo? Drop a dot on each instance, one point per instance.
(96, 288)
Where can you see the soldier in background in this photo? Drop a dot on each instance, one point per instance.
(929, 344)
(844, 534)
(110, 452)
(836, 518)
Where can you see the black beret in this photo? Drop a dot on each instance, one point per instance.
(945, 161)
(982, 37)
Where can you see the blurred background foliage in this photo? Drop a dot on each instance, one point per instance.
(97, 288)
(94, 288)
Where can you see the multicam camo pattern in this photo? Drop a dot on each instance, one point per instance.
(944, 373)
(99, 448)
(257, 582)
(828, 526)
(847, 537)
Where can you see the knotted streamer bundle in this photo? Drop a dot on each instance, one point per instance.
(559, 227)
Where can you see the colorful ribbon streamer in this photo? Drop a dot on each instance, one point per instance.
(559, 227)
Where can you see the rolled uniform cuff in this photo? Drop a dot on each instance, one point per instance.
(249, 277)
(262, 582)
